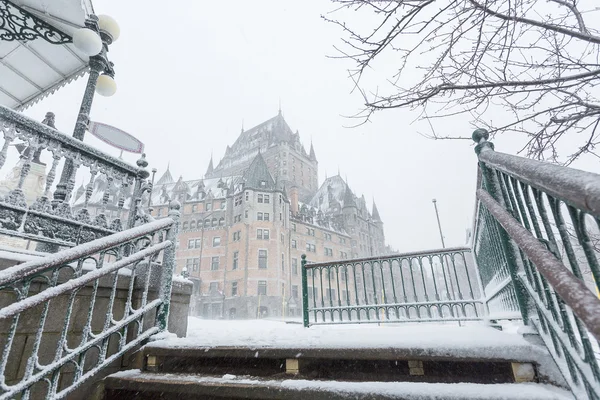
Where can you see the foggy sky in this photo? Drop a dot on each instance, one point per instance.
(190, 73)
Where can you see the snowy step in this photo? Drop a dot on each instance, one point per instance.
(135, 384)
(346, 364)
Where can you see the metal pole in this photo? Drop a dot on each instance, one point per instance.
(434, 201)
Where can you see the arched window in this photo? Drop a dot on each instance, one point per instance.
(206, 223)
(192, 224)
(214, 222)
(185, 226)
(221, 221)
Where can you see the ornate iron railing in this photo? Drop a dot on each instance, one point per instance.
(439, 285)
(66, 316)
(27, 209)
(536, 246)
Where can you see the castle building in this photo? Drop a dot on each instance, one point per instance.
(247, 222)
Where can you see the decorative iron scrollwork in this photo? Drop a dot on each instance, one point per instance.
(18, 24)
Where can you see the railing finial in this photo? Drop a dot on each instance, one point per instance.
(481, 136)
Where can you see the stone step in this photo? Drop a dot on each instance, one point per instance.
(135, 384)
(356, 364)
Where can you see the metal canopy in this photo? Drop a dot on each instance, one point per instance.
(31, 69)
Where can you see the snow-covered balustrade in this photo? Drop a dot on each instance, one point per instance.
(438, 285)
(536, 246)
(67, 316)
(36, 205)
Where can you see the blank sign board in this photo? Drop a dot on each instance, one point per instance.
(115, 137)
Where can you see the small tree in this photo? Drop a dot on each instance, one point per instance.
(534, 62)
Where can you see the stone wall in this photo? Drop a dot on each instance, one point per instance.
(24, 344)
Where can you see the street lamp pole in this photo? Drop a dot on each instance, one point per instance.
(101, 80)
(434, 201)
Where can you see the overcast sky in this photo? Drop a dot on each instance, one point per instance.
(189, 73)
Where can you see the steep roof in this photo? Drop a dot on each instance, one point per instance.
(166, 178)
(349, 197)
(257, 173)
(210, 168)
(312, 155)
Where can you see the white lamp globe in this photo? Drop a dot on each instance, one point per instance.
(106, 86)
(87, 41)
(109, 25)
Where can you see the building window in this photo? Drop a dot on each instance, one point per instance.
(310, 231)
(192, 225)
(214, 287)
(221, 221)
(194, 208)
(237, 201)
(294, 244)
(266, 216)
(311, 248)
(295, 291)
(327, 236)
(223, 204)
(214, 263)
(260, 198)
(213, 222)
(247, 195)
(206, 223)
(233, 288)
(328, 251)
(237, 218)
(262, 259)
(259, 216)
(216, 241)
(237, 236)
(294, 266)
(159, 212)
(194, 243)
(185, 226)
(342, 240)
(262, 234)
(262, 288)
(267, 198)
(343, 255)
(280, 199)
(282, 262)
(282, 237)
(236, 259)
(263, 184)
(280, 216)
(246, 214)
(208, 206)
(294, 227)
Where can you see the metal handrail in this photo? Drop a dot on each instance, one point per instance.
(447, 250)
(69, 255)
(578, 188)
(69, 142)
(572, 290)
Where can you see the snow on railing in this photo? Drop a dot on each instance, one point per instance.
(427, 286)
(61, 321)
(538, 236)
(37, 205)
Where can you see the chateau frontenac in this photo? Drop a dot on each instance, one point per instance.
(246, 223)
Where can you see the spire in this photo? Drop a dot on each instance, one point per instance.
(210, 168)
(375, 213)
(312, 155)
(349, 198)
(279, 106)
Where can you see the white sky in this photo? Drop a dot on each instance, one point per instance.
(189, 72)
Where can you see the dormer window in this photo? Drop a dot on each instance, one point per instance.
(263, 184)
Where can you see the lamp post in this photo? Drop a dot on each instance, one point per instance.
(434, 201)
(93, 40)
(184, 272)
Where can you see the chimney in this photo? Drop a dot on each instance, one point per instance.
(294, 199)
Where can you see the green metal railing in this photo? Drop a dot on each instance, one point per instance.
(536, 246)
(66, 316)
(438, 285)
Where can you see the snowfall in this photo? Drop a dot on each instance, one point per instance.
(468, 341)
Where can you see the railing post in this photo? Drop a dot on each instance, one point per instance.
(304, 292)
(492, 186)
(168, 267)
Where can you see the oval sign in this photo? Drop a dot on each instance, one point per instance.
(115, 137)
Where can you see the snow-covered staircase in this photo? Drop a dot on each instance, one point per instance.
(413, 362)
